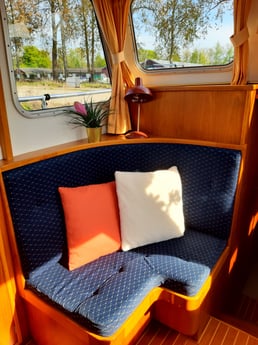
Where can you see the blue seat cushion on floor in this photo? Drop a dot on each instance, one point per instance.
(114, 302)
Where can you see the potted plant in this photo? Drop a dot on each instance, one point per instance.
(92, 116)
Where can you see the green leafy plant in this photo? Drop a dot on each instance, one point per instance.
(89, 114)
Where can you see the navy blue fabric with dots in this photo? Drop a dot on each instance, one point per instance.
(102, 294)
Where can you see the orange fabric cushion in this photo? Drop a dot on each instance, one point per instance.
(92, 222)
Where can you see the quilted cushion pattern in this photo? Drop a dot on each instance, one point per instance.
(102, 294)
(117, 298)
(194, 246)
(209, 176)
(179, 275)
(70, 288)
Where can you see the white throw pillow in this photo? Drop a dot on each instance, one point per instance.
(150, 206)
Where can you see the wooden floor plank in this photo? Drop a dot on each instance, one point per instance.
(221, 334)
(230, 336)
(209, 331)
(171, 338)
(150, 333)
(161, 336)
(216, 333)
(241, 339)
(156, 333)
(252, 341)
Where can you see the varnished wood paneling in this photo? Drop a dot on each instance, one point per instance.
(213, 113)
(5, 139)
(9, 323)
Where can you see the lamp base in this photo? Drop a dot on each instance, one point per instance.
(136, 135)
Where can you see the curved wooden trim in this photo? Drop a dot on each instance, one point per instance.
(107, 140)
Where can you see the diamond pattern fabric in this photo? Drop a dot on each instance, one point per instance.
(115, 301)
(103, 293)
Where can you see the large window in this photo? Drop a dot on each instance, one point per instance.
(56, 54)
(183, 33)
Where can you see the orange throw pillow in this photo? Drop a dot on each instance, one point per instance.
(92, 222)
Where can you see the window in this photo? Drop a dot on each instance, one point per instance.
(55, 53)
(182, 33)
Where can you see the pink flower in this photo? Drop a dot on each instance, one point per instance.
(80, 108)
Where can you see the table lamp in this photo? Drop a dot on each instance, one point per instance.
(138, 94)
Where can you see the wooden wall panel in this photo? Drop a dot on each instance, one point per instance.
(214, 113)
(5, 139)
(9, 323)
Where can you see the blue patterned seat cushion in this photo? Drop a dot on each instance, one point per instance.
(68, 289)
(102, 294)
(115, 300)
(209, 178)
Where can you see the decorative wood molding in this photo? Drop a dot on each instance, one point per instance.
(107, 140)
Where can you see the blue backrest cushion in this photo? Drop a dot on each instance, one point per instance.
(209, 178)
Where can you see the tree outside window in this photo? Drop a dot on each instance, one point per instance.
(55, 49)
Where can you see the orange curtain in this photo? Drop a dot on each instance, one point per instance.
(113, 20)
(240, 41)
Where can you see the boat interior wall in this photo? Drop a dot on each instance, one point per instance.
(246, 242)
(7, 288)
(253, 43)
(200, 77)
(5, 140)
(29, 135)
(188, 106)
(212, 113)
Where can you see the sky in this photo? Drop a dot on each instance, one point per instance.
(221, 35)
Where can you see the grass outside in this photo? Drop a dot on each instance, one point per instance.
(40, 88)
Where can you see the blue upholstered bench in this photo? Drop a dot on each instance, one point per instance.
(101, 295)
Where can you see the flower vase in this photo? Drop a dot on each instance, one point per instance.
(94, 134)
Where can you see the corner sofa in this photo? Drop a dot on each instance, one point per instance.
(108, 299)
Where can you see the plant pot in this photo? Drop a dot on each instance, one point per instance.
(94, 134)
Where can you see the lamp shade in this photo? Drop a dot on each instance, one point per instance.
(138, 93)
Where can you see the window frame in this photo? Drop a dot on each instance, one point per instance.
(46, 112)
(195, 70)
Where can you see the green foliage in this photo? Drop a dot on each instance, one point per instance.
(33, 57)
(218, 55)
(55, 27)
(53, 38)
(144, 54)
(99, 62)
(76, 58)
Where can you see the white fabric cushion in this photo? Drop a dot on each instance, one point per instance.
(150, 206)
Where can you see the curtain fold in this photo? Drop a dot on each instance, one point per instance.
(240, 41)
(113, 20)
